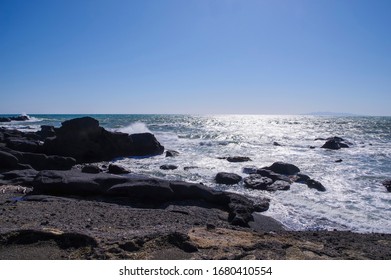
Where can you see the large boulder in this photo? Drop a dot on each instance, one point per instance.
(84, 140)
(283, 168)
(227, 178)
(335, 143)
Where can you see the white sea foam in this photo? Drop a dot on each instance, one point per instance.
(136, 127)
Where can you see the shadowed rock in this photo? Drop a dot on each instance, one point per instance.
(283, 168)
(84, 140)
(272, 175)
(313, 184)
(227, 178)
(256, 181)
(168, 167)
(387, 184)
(93, 169)
(171, 153)
(7, 160)
(335, 143)
(116, 169)
(238, 159)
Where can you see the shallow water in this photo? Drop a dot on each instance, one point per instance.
(355, 199)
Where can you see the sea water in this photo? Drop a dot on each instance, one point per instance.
(355, 198)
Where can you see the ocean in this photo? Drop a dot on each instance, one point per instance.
(354, 200)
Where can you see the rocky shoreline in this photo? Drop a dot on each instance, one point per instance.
(57, 203)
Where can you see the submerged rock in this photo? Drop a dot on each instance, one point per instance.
(168, 167)
(238, 159)
(313, 184)
(227, 178)
(171, 153)
(387, 184)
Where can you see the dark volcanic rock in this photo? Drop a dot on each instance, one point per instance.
(145, 144)
(92, 169)
(2, 119)
(116, 169)
(23, 144)
(44, 162)
(23, 177)
(250, 169)
(84, 140)
(301, 178)
(387, 184)
(171, 153)
(313, 184)
(8, 161)
(332, 145)
(227, 178)
(283, 168)
(74, 182)
(335, 143)
(46, 131)
(168, 167)
(147, 190)
(18, 118)
(259, 182)
(279, 185)
(141, 189)
(238, 159)
(272, 175)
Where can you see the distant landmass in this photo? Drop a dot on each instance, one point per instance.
(330, 114)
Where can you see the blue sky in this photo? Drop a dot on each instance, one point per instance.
(195, 56)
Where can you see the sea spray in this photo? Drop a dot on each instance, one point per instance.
(136, 127)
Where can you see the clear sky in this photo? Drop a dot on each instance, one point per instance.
(195, 56)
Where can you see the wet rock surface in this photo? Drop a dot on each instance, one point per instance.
(227, 178)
